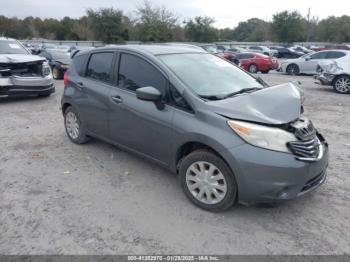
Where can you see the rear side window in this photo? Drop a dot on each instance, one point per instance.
(99, 67)
(335, 55)
(135, 72)
(79, 64)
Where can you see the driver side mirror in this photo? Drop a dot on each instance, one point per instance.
(149, 93)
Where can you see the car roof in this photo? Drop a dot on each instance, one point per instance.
(152, 49)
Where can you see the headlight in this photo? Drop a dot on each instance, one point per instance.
(46, 69)
(263, 136)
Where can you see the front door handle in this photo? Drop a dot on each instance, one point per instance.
(117, 99)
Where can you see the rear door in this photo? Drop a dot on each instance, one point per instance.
(94, 89)
(136, 124)
(310, 66)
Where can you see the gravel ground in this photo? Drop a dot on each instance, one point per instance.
(61, 198)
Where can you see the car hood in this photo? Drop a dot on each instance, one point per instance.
(64, 61)
(15, 59)
(272, 105)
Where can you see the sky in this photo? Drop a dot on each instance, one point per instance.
(227, 13)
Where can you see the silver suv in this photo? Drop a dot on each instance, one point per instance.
(22, 73)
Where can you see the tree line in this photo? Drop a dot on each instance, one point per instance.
(158, 24)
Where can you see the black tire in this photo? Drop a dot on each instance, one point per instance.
(342, 84)
(293, 69)
(253, 68)
(265, 72)
(56, 73)
(231, 192)
(81, 137)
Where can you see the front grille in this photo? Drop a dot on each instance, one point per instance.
(306, 149)
(313, 182)
(304, 129)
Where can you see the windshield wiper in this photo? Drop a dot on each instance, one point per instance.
(244, 90)
(211, 97)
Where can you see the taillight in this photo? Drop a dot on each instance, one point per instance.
(65, 79)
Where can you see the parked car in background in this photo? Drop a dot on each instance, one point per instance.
(22, 73)
(230, 48)
(302, 49)
(307, 64)
(212, 48)
(287, 52)
(254, 62)
(335, 73)
(337, 46)
(227, 135)
(262, 50)
(59, 61)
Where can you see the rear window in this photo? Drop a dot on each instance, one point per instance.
(99, 67)
(12, 47)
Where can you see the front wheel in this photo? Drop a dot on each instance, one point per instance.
(342, 84)
(207, 181)
(293, 69)
(56, 74)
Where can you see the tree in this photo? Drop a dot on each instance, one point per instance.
(288, 27)
(155, 23)
(334, 29)
(252, 30)
(200, 29)
(107, 24)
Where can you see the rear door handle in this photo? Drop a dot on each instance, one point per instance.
(117, 99)
(80, 85)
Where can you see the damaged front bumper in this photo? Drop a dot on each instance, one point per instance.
(23, 86)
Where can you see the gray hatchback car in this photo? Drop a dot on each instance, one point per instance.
(228, 135)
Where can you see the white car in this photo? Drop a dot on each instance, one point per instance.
(307, 64)
(335, 73)
(262, 50)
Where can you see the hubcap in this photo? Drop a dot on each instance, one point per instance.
(253, 69)
(343, 85)
(72, 125)
(292, 69)
(54, 73)
(206, 182)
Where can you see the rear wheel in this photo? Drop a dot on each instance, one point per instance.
(207, 181)
(253, 69)
(74, 127)
(293, 69)
(342, 84)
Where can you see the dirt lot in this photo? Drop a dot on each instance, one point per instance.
(60, 198)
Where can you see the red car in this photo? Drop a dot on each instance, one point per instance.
(210, 48)
(254, 62)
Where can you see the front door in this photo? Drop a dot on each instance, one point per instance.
(136, 124)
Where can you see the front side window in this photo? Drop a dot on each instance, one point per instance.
(79, 64)
(321, 55)
(99, 67)
(135, 72)
(208, 75)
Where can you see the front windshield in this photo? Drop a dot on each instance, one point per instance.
(208, 75)
(12, 47)
(211, 49)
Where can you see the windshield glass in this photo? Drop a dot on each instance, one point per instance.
(211, 49)
(12, 47)
(60, 55)
(208, 75)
